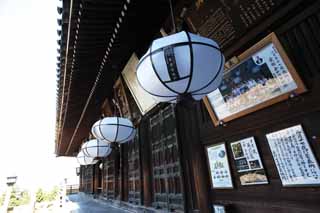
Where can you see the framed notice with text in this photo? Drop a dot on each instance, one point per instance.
(219, 166)
(294, 159)
(264, 76)
(144, 100)
(248, 162)
(120, 98)
(219, 208)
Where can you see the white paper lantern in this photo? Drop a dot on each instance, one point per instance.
(85, 160)
(114, 129)
(96, 148)
(182, 64)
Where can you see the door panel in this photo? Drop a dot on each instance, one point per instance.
(166, 167)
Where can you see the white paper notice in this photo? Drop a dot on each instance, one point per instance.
(293, 156)
(219, 166)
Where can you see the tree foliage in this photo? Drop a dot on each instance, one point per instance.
(2, 197)
(19, 198)
(42, 196)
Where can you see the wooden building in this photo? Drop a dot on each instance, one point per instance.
(167, 167)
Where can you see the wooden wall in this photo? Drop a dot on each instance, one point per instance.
(299, 34)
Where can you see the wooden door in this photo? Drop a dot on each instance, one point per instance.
(166, 166)
(110, 178)
(134, 171)
(88, 179)
(111, 172)
(97, 178)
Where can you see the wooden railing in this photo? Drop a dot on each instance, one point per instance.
(72, 189)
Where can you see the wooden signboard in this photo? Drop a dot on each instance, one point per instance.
(226, 21)
(106, 108)
(264, 76)
(121, 100)
(143, 99)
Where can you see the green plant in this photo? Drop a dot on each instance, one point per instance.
(42, 196)
(2, 197)
(52, 195)
(19, 198)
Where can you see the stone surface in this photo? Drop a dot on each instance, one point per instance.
(79, 204)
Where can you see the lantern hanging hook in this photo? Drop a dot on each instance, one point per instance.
(172, 17)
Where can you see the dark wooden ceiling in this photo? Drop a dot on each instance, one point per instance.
(91, 30)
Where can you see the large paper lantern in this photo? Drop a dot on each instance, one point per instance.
(114, 129)
(181, 65)
(85, 160)
(96, 148)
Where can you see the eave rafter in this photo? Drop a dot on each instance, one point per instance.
(97, 37)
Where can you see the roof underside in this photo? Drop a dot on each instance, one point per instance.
(85, 36)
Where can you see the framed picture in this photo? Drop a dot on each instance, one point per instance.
(143, 99)
(248, 162)
(120, 98)
(217, 208)
(106, 108)
(219, 168)
(294, 159)
(264, 76)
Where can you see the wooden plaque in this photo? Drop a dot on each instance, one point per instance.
(121, 99)
(227, 21)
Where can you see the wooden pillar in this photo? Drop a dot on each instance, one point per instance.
(117, 175)
(145, 163)
(92, 178)
(80, 179)
(123, 172)
(196, 177)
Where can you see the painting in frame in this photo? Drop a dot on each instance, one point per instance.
(264, 76)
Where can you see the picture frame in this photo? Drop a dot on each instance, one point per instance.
(120, 99)
(218, 208)
(219, 166)
(106, 108)
(248, 162)
(294, 158)
(143, 99)
(264, 76)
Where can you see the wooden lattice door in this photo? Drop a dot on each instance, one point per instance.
(88, 179)
(166, 166)
(110, 178)
(134, 172)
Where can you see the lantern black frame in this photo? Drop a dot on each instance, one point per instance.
(117, 131)
(185, 94)
(84, 159)
(86, 153)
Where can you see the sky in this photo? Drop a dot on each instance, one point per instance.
(28, 57)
